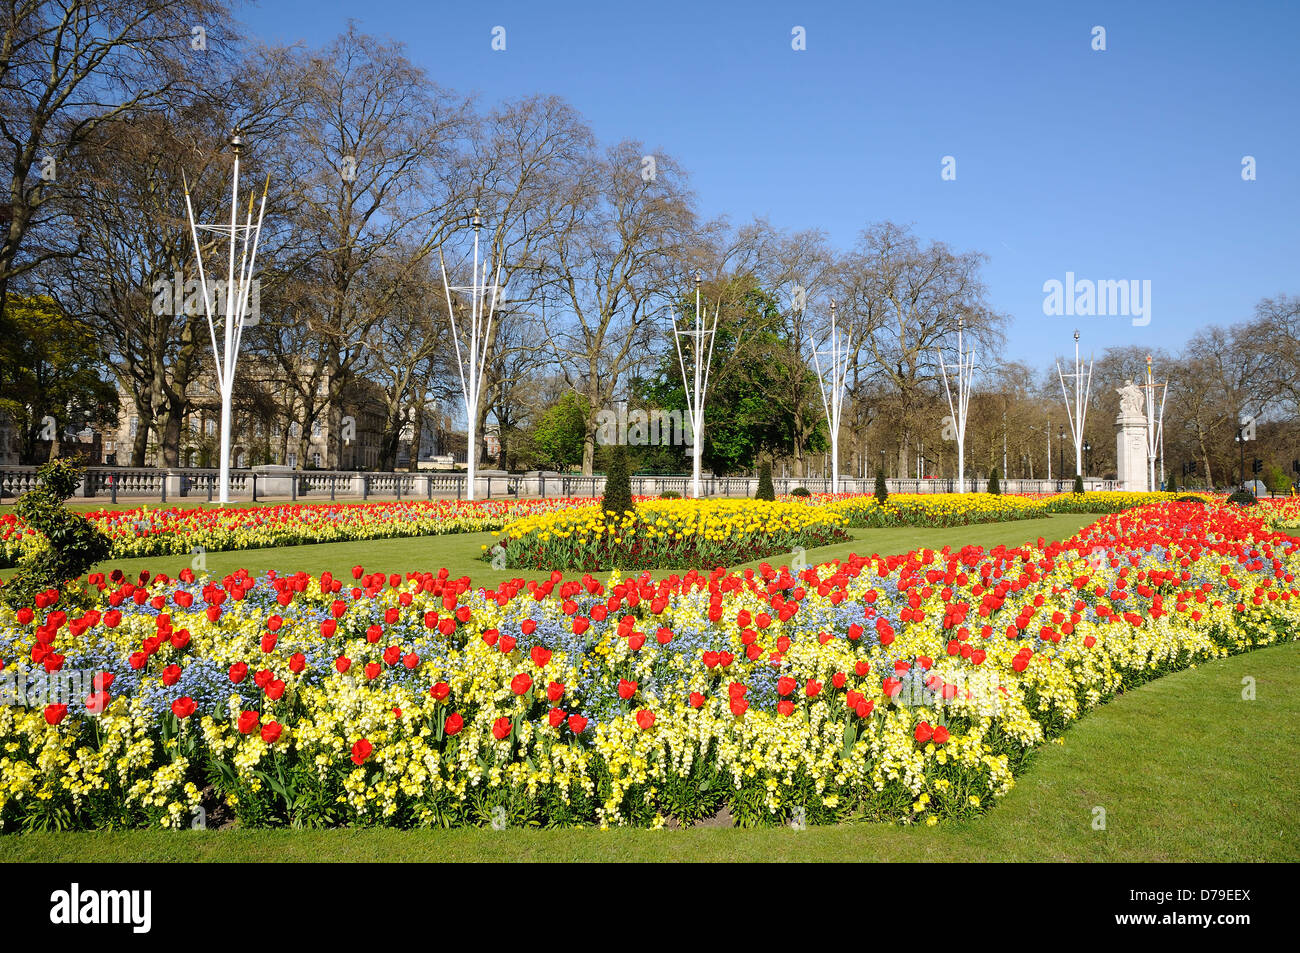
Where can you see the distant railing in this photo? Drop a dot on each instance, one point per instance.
(200, 484)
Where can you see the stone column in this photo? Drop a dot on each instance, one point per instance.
(1131, 451)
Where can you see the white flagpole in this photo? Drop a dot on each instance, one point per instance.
(471, 361)
(1077, 415)
(225, 353)
(965, 368)
(832, 391)
(700, 374)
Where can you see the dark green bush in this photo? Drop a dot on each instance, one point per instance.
(994, 486)
(618, 483)
(1242, 497)
(800, 491)
(765, 489)
(1078, 484)
(670, 495)
(72, 544)
(882, 489)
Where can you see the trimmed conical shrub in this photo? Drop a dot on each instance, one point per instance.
(766, 491)
(994, 486)
(882, 489)
(618, 483)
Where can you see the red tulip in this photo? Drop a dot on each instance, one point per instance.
(361, 751)
(454, 723)
(248, 720)
(271, 732)
(183, 707)
(645, 718)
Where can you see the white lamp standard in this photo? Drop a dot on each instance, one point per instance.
(471, 360)
(1155, 427)
(965, 372)
(235, 310)
(1079, 412)
(696, 384)
(832, 379)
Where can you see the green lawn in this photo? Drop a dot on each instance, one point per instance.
(460, 553)
(1184, 768)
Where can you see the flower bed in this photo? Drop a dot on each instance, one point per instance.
(167, 531)
(907, 688)
(936, 509)
(665, 534)
(1114, 501)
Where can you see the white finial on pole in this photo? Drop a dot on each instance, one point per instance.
(1079, 412)
(965, 373)
(471, 361)
(832, 379)
(696, 391)
(235, 310)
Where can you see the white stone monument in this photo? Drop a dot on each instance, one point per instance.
(1131, 439)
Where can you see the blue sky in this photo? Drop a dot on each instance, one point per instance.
(1122, 164)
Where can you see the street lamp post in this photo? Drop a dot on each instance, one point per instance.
(1155, 426)
(1060, 443)
(832, 389)
(965, 368)
(1241, 444)
(1077, 413)
(701, 363)
(471, 361)
(1087, 457)
(235, 310)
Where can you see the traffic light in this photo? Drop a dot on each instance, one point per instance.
(1256, 465)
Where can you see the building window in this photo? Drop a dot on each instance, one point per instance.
(211, 428)
(315, 428)
(315, 459)
(135, 425)
(293, 461)
(294, 430)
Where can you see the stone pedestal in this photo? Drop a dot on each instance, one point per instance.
(1131, 452)
(275, 480)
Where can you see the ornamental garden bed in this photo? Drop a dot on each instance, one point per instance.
(906, 688)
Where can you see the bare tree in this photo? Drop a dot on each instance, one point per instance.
(615, 268)
(67, 68)
(371, 150)
(905, 299)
